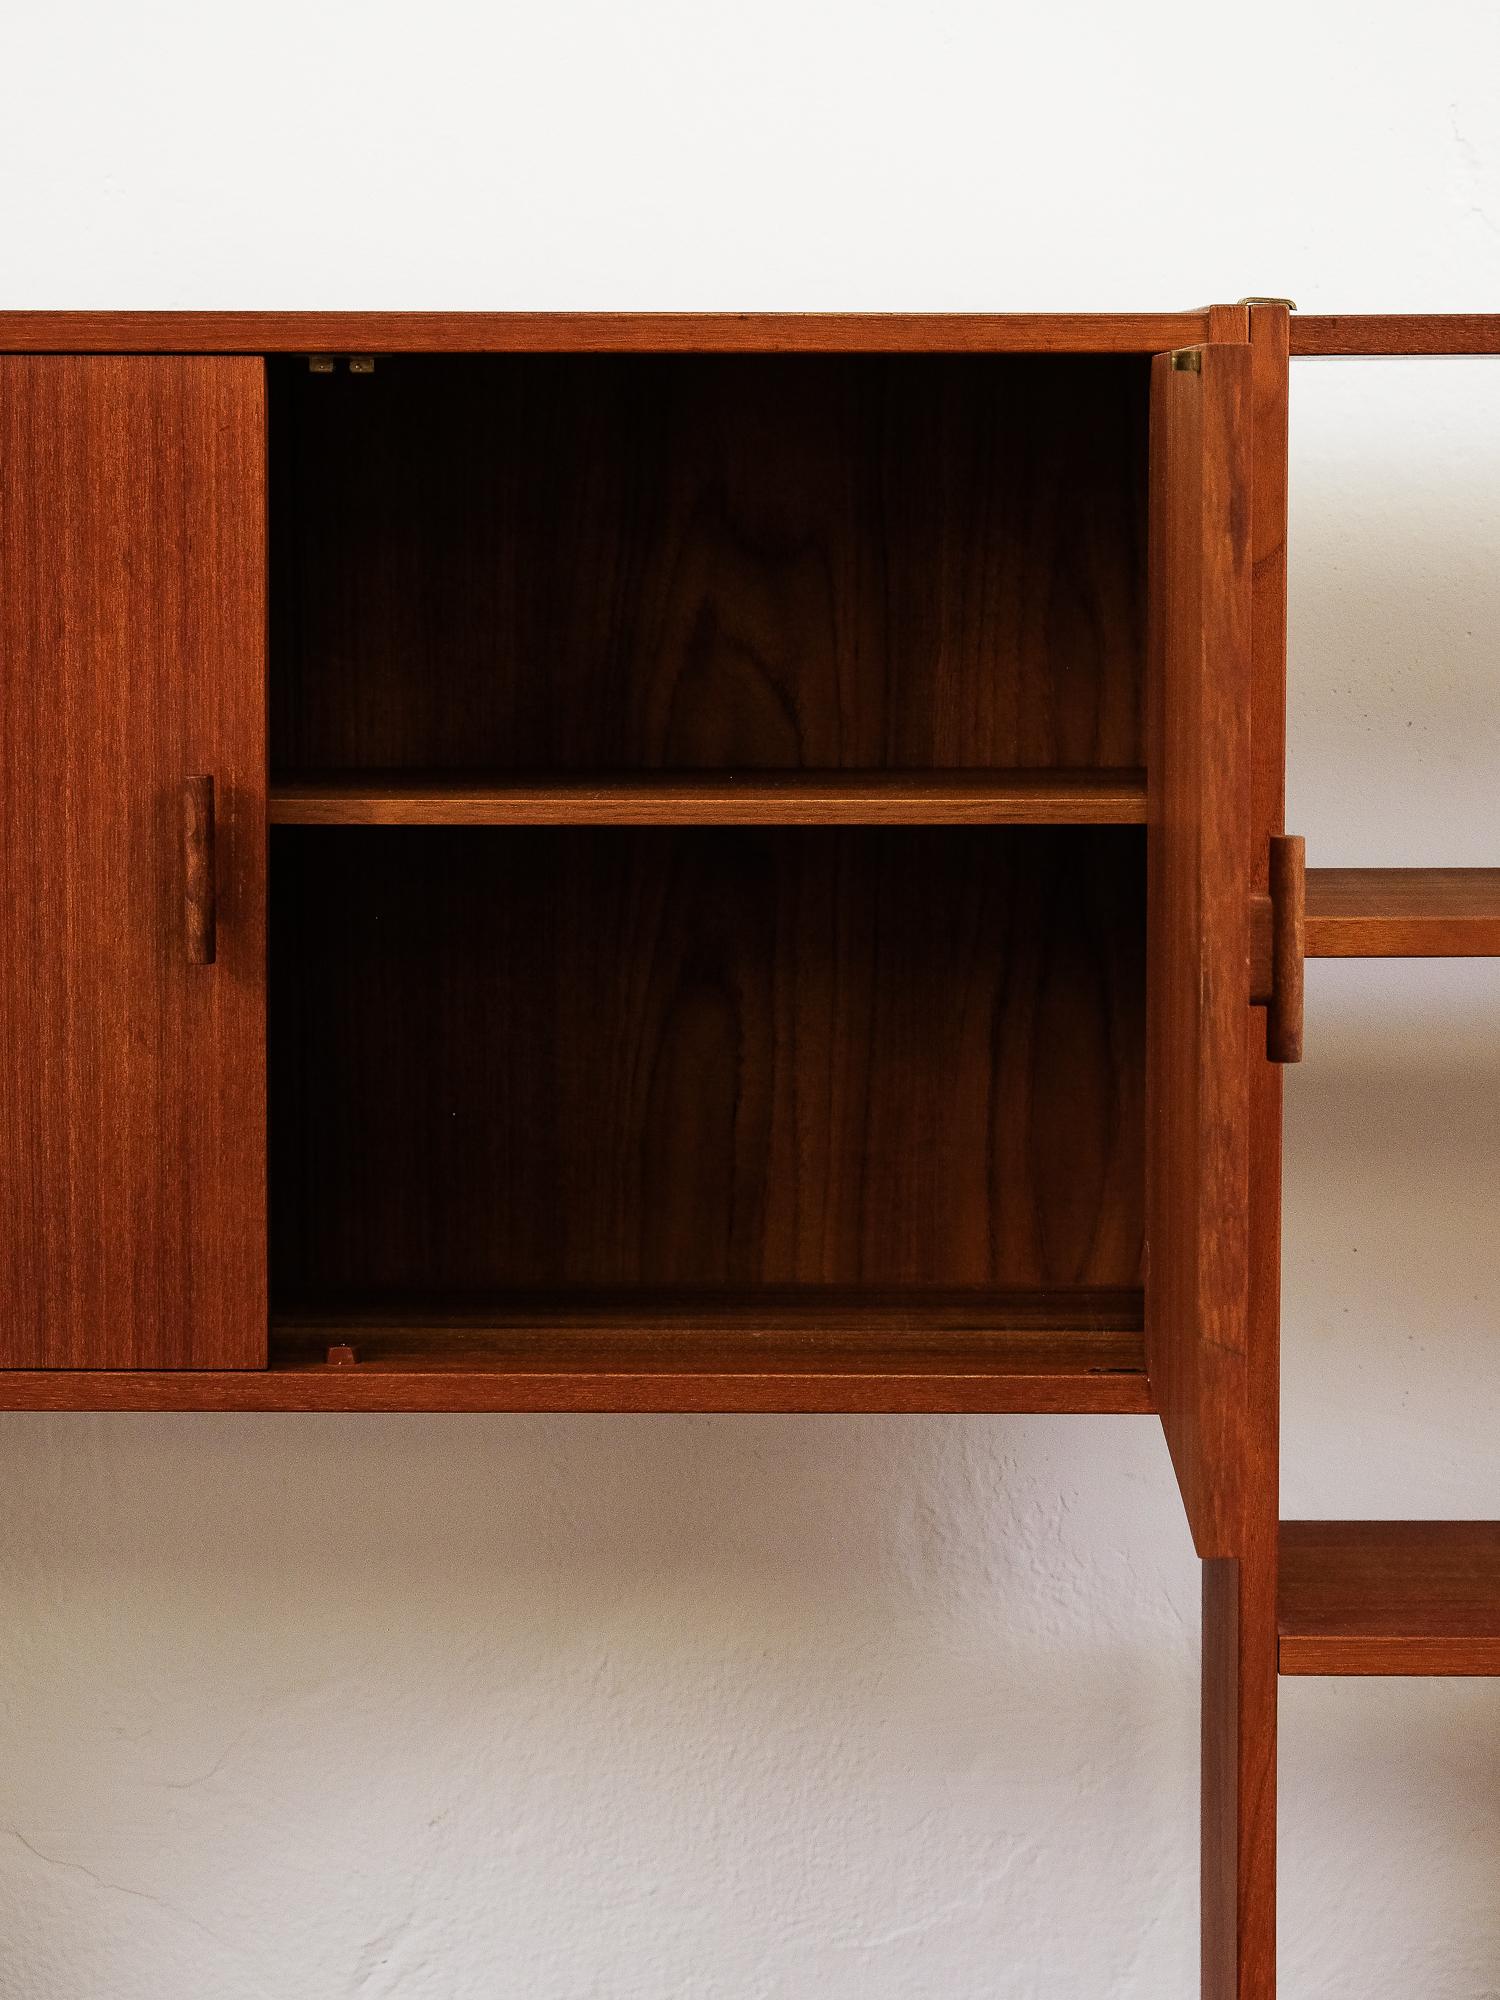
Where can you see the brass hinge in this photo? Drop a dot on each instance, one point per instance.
(1188, 360)
(324, 364)
(1290, 304)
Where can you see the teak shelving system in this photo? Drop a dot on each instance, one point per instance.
(707, 863)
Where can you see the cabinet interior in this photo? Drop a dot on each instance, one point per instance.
(766, 1082)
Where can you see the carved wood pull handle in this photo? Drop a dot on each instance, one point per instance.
(1278, 940)
(200, 916)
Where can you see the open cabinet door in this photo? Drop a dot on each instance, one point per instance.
(132, 862)
(1199, 882)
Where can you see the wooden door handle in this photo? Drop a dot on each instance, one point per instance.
(200, 915)
(1278, 942)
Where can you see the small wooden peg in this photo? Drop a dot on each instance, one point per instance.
(199, 911)
(1288, 947)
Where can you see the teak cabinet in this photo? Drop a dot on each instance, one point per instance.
(681, 863)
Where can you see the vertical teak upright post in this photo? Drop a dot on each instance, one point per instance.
(1215, 761)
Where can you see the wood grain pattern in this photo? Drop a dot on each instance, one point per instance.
(1197, 1161)
(812, 798)
(1238, 1771)
(1270, 334)
(132, 1089)
(520, 568)
(724, 1056)
(1238, 1776)
(799, 1323)
(929, 1353)
(1390, 1597)
(200, 916)
(1288, 899)
(1395, 333)
(1221, 1743)
(1228, 325)
(599, 333)
(1403, 912)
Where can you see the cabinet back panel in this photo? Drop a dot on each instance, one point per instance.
(536, 562)
(705, 1057)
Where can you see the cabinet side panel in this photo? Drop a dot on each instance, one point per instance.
(132, 1082)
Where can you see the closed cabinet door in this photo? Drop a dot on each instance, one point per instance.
(132, 862)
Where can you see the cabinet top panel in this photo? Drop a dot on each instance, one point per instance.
(598, 332)
(722, 333)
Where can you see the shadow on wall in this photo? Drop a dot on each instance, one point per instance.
(1390, 1842)
(851, 1506)
(627, 1705)
(1391, 1374)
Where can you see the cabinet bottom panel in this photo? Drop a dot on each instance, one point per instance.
(1075, 1351)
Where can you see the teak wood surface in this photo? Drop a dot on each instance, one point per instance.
(1198, 771)
(1395, 333)
(869, 1352)
(561, 566)
(1311, 334)
(132, 1081)
(709, 960)
(801, 798)
(1403, 912)
(1238, 1768)
(598, 332)
(740, 1057)
(1390, 1597)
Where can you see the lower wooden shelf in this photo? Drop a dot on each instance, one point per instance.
(1053, 1352)
(1390, 1597)
(1403, 912)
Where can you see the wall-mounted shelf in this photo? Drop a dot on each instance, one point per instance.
(750, 798)
(1395, 333)
(1390, 1597)
(848, 747)
(852, 748)
(1403, 912)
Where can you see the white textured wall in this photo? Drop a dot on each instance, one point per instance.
(743, 1708)
(1390, 1871)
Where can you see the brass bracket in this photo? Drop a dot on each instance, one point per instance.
(1290, 304)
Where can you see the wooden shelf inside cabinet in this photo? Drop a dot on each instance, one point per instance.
(1390, 1597)
(1403, 912)
(1070, 1352)
(748, 798)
